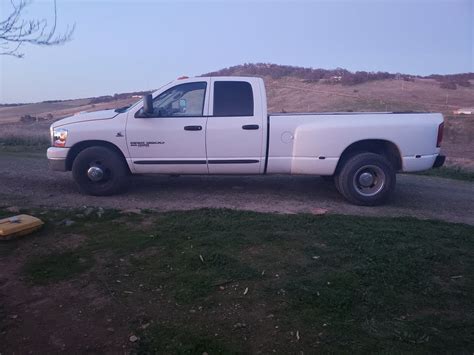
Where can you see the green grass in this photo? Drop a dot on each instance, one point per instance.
(22, 152)
(56, 267)
(164, 340)
(347, 284)
(451, 173)
(29, 141)
(15, 144)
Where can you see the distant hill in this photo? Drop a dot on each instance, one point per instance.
(56, 109)
(338, 75)
(292, 88)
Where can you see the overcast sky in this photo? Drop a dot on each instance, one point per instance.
(130, 45)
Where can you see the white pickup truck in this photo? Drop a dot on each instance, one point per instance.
(220, 125)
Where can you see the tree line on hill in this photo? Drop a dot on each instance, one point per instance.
(336, 76)
(452, 81)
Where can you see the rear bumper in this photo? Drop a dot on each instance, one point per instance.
(57, 158)
(439, 162)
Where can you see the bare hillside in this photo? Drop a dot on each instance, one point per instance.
(293, 94)
(305, 89)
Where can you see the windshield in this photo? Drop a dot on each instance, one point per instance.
(127, 108)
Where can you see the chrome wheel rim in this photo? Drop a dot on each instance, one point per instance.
(369, 180)
(97, 172)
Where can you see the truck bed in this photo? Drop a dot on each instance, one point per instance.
(343, 113)
(312, 143)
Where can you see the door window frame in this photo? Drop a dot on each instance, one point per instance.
(246, 83)
(256, 103)
(205, 111)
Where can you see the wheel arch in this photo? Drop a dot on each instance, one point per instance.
(80, 146)
(378, 146)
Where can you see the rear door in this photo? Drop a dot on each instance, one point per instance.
(235, 127)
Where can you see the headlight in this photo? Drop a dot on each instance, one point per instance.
(59, 137)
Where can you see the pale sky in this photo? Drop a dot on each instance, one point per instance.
(122, 46)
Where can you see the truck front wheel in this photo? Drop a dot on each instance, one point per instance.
(100, 171)
(366, 179)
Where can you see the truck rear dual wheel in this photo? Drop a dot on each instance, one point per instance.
(100, 171)
(366, 179)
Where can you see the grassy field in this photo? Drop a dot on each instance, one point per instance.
(451, 173)
(24, 138)
(16, 144)
(222, 281)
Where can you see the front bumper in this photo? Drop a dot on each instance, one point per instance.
(57, 158)
(439, 162)
(57, 164)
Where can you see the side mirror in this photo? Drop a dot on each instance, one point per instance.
(148, 104)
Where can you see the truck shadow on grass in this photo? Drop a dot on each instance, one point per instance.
(222, 281)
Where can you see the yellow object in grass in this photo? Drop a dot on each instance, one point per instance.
(18, 226)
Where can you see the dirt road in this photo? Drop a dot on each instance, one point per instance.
(26, 181)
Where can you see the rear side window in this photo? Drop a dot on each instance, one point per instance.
(233, 98)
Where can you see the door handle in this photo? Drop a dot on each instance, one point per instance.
(193, 128)
(250, 126)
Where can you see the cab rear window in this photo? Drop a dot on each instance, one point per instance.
(233, 98)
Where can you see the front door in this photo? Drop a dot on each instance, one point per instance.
(234, 128)
(172, 140)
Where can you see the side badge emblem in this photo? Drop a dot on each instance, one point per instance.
(119, 134)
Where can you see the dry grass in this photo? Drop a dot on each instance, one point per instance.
(35, 134)
(13, 132)
(458, 142)
(293, 94)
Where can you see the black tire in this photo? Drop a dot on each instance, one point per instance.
(115, 172)
(366, 179)
(336, 183)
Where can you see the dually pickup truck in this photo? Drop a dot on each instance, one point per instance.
(220, 125)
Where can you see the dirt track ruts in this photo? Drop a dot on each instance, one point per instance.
(26, 181)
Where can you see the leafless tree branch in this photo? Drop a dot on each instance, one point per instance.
(16, 31)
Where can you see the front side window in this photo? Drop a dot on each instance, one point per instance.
(233, 98)
(183, 100)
